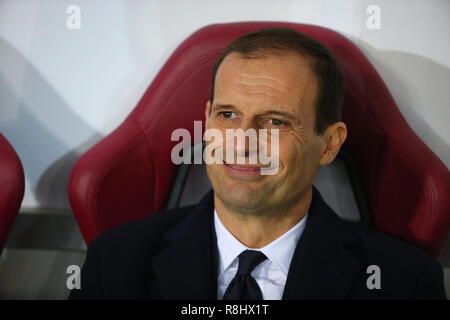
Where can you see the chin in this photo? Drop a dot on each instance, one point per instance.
(243, 197)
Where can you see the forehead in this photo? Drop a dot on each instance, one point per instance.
(285, 80)
(288, 63)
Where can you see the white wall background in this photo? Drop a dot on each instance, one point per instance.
(62, 90)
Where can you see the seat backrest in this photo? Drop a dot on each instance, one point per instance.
(129, 173)
(12, 188)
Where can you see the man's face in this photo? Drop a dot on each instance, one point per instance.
(274, 92)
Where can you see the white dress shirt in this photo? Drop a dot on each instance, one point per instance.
(271, 274)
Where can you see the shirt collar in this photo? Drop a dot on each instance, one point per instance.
(279, 251)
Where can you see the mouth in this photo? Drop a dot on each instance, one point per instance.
(243, 170)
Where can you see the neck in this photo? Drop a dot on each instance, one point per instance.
(258, 230)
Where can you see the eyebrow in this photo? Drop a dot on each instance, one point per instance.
(221, 107)
(280, 113)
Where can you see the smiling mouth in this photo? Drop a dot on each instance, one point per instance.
(244, 170)
(244, 167)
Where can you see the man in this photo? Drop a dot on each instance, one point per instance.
(263, 236)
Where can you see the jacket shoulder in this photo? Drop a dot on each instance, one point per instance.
(143, 233)
(116, 263)
(386, 247)
(405, 268)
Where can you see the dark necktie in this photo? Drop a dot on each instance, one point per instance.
(244, 286)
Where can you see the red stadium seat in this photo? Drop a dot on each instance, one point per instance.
(12, 187)
(129, 174)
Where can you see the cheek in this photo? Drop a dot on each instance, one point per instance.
(291, 148)
(219, 123)
(296, 159)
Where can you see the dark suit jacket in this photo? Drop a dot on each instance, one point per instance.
(173, 255)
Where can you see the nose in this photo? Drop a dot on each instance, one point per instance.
(244, 142)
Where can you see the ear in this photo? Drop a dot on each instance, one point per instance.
(334, 136)
(207, 112)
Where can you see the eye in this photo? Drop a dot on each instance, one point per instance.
(276, 122)
(228, 114)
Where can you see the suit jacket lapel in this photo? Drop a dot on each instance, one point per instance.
(326, 262)
(187, 268)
